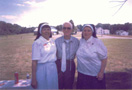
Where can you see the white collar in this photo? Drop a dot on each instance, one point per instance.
(90, 39)
(70, 40)
(43, 39)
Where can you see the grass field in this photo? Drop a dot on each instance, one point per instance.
(15, 56)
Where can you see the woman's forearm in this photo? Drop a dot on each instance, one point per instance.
(103, 65)
(34, 69)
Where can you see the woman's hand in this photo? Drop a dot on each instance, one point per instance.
(34, 84)
(100, 75)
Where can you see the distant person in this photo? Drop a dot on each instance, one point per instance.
(44, 70)
(91, 60)
(67, 46)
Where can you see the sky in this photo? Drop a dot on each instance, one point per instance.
(30, 13)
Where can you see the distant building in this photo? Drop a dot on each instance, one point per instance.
(101, 31)
(122, 33)
(54, 30)
(106, 31)
(35, 31)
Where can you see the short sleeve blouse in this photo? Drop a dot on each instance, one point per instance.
(89, 56)
(44, 50)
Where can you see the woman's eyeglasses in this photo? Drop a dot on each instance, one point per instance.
(68, 28)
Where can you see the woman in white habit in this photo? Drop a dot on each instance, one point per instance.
(44, 71)
(91, 60)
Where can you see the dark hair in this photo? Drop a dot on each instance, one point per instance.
(38, 32)
(94, 32)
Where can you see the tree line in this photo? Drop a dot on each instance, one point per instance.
(9, 29)
(113, 28)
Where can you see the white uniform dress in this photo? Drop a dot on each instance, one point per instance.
(45, 52)
(89, 56)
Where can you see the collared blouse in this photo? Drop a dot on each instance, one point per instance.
(44, 50)
(71, 47)
(89, 56)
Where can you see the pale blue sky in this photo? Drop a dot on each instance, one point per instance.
(55, 12)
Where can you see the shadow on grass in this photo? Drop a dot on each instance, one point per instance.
(119, 80)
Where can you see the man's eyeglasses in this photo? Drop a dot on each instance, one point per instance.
(68, 28)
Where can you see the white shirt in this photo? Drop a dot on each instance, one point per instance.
(44, 50)
(89, 56)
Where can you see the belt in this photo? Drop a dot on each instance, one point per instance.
(70, 61)
(66, 60)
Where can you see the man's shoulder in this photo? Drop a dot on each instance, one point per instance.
(75, 39)
(58, 39)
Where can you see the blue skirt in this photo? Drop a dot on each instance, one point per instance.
(47, 77)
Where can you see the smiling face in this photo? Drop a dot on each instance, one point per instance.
(87, 32)
(46, 32)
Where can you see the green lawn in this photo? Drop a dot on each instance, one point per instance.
(15, 56)
(119, 66)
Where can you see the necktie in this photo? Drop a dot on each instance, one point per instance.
(63, 63)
